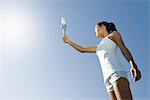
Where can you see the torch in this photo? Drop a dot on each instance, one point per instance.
(63, 26)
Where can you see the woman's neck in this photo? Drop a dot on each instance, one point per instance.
(105, 34)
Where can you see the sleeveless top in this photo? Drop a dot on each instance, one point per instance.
(106, 52)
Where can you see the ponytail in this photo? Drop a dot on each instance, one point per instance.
(110, 27)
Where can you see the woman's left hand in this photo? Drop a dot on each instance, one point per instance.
(135, 72)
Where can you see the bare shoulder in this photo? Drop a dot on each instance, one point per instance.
(116, 36)
(118, 39)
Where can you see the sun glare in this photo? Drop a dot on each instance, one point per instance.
(15, 27)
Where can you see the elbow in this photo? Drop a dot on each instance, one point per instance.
(82, 50)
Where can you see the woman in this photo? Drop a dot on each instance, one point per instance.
(114, 73)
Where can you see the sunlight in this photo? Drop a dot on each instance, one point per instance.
(15, 28)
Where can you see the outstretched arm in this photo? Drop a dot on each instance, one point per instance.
(81, 49)
(134, 69)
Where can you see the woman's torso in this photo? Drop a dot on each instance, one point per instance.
(106, 52)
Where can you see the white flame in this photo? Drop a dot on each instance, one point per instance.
(63, 21)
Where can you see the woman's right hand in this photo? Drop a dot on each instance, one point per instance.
(65, 39)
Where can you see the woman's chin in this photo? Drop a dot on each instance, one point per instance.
(97, 36)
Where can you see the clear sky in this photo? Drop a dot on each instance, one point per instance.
(35, 64)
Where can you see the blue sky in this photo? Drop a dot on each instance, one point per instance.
(35, 64)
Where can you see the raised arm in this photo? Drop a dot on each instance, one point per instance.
(81, 49)
(134, 69)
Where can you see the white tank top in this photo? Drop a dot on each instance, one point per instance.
(106, 52)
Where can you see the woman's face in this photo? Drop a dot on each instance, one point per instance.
(97, 31)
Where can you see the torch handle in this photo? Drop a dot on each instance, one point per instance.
(63, 28)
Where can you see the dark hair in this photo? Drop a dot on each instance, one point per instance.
(110, 27)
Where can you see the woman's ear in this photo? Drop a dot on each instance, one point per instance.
(103, 27)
